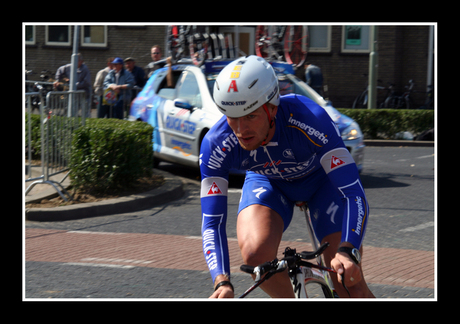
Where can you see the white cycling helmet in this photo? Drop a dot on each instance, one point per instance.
(244, 85)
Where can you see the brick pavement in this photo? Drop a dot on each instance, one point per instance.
(385, 266)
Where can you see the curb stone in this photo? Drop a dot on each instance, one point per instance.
(171, 190)
(398, 143)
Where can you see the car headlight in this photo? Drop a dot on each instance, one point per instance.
(351, 132)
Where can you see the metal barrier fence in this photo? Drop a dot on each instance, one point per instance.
(63, 112)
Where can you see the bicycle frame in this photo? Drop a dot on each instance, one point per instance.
(307, 274)
(303, 277)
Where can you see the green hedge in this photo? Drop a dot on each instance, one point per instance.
(110, 154)
(107, 154)
(35, 135)
(385, 123)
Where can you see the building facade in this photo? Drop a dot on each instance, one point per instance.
(342, 52)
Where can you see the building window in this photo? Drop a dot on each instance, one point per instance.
(246, 38)
(320, 39)
(355, 39)
(30, 35)
(58, 35)
(94, 36)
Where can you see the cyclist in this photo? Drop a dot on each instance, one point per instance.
(292, 151)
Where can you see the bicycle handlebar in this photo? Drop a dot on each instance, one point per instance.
(291, 260)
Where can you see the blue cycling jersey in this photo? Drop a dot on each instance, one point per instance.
(305, 152)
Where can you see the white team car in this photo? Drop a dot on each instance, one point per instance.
(183, 114)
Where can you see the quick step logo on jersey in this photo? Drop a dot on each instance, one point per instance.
(218, 154)
(209, 247)
(288, 170)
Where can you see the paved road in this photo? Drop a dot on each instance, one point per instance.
(156, 253)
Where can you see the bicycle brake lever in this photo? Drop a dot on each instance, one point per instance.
(257, 273)
(282, 265)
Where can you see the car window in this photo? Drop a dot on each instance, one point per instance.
(211, 79)
(290, 84)
(188, 89)
(163, 89)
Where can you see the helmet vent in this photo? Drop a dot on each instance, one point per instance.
(252, 83)
(217, 85)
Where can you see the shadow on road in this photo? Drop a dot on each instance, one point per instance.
(381, 181)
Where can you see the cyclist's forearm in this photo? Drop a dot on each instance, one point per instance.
(355, 220)
(215, 247)
(343, 173)
(213, 194)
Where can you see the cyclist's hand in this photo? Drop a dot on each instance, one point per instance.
(223, 292)
(343, 264)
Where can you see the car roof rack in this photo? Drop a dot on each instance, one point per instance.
(218, 49)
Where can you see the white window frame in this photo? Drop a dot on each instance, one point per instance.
(82, 38)
(326, 49)
(34, 37)
(348, 48)
(68, 43)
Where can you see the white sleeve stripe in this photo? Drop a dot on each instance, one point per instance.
(335, 159)
(349, 185)
(214, 186)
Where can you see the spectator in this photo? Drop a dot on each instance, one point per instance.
(102, 110)
(83, 79)
(314, 77)
(155, 53)
(138, 74)
(120, 81)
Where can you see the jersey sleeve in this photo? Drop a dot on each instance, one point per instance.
(214, 187)
(342, 171)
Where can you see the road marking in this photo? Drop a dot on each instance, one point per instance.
(418, 227)
(425, 156)
(235, 190)
(89, 232)
(119, 266)
(199, 238)
(418, 157)
(117, 260)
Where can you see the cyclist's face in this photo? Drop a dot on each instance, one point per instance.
(252, 129)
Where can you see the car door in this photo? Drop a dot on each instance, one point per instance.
(179, 123)
(163, 104)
